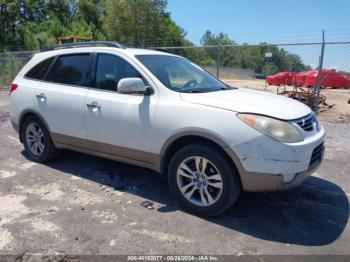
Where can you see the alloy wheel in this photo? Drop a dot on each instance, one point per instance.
(35, 139)
(199, 181)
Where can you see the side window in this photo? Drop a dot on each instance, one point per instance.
(38, 71)
(70, 69)
(110, 69)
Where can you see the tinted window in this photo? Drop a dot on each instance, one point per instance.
(38, 71)
(110, 69)
(70, 69)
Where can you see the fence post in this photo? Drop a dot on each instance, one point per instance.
(319, 75)
(12, 66)
(218, 61)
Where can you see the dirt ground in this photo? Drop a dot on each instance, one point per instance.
(339, 99)
(84, 205)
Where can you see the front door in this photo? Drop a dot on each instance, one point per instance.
(119, 124)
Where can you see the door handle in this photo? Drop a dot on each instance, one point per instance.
(93, 105)
(41, 97)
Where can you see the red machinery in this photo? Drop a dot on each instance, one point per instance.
(304, 84)
(282, 78)
(299, 78)
(329, 78)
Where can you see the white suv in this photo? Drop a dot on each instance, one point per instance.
(162, 112)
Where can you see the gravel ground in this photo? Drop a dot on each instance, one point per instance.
(79, 204)
(338, 100)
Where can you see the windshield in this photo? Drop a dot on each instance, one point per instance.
(179, 74)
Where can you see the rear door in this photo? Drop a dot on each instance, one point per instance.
(60, 98)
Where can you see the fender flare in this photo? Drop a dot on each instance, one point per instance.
(200, 133)
(27, 112)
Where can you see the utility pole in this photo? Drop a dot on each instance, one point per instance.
(319, 75)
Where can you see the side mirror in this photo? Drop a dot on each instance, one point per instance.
(133, 85)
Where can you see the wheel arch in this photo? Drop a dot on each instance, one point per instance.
(25, 114)
(174, 143)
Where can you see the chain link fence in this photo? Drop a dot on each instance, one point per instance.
(337, 56)
(250, 61)
(10, 64)
(236, 64)
(250, 66)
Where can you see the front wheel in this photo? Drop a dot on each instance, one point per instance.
(202, 180)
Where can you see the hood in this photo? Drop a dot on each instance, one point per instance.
(249, 101)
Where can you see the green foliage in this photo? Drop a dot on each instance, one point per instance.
(133, 22)
(30, 24)
(141, 23)
(251, 57)
(9, 67)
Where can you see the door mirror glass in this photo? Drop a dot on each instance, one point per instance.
(133, 85)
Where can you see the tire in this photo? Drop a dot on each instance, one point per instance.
(216, 163)
(46, 152)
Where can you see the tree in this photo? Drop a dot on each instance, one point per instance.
(91, 13)
(250, 57)
(140, 23)
(8, 17)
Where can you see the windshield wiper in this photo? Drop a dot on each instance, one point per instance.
(193, 91)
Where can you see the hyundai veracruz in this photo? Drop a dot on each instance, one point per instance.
(160, 111)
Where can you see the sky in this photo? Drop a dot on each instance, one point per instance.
(273, 21)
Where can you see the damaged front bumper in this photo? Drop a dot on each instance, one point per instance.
(268, 165)
(262, 182)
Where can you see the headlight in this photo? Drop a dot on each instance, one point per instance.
(277, 129)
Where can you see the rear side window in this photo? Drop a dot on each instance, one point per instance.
(38, 71)
(70, 69)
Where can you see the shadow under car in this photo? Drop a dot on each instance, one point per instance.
(314, 214)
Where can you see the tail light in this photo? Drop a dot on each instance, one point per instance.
(13, 87)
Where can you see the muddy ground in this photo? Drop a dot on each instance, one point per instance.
(79, 204)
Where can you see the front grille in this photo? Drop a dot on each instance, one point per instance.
(307, 123)
(316, 156)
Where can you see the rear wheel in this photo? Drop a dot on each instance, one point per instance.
(37, 141)
(202, 180)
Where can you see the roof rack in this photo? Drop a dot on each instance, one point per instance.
(86, 44)
(162, 50)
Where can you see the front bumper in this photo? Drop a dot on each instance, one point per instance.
(256, 182)
(268, 165)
